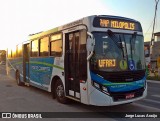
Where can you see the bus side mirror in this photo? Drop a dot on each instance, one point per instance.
(90, 45)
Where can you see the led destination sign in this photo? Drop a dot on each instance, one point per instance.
(116, 23)
(106, 63)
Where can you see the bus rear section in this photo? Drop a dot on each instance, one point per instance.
(17, 65)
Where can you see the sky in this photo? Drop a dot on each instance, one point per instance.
(19, 18)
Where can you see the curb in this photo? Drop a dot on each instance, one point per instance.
(153, 81)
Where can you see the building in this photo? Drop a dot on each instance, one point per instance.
(157, 36)
(147, 52)
(152, 57)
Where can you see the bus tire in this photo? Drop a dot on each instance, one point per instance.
(59, 92)
(19, 83)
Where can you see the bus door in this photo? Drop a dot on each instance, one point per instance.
(26, 62)
(75, 62)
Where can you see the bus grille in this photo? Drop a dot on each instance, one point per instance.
(119, 96)
(126, 76)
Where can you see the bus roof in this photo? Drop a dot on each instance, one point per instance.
(77, 22)
(117, 17)
(40, 34)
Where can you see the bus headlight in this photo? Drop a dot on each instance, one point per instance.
(96, 85)
(104, 89)
(101, 88)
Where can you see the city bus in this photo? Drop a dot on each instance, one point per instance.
(96, 60)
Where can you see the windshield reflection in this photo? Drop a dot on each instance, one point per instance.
(121, 53)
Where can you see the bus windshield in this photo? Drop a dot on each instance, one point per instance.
(117, 52)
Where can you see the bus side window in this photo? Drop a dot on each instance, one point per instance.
(44, 46)
(56, 45)
(34, 48)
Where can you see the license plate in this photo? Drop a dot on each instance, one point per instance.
(129, 96)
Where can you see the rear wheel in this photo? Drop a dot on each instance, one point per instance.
(19, 83)
(59, 90)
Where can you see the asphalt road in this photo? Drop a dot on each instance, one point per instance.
(153, 95)
(15, 98)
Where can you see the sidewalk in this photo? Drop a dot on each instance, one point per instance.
(153, 81)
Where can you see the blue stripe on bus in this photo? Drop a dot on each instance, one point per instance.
(40, 69)
(118, 87)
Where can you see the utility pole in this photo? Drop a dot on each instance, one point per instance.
(152, 37)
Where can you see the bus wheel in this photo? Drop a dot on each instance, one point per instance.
(19, 83)
(59, 90)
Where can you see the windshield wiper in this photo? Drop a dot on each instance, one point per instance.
(116, 40)
(122, 46)
(132, 44)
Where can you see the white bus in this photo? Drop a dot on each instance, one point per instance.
(96, 60)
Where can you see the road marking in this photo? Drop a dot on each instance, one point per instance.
(151, 81)
(148, 108)
(156, 96)
(149, 100)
